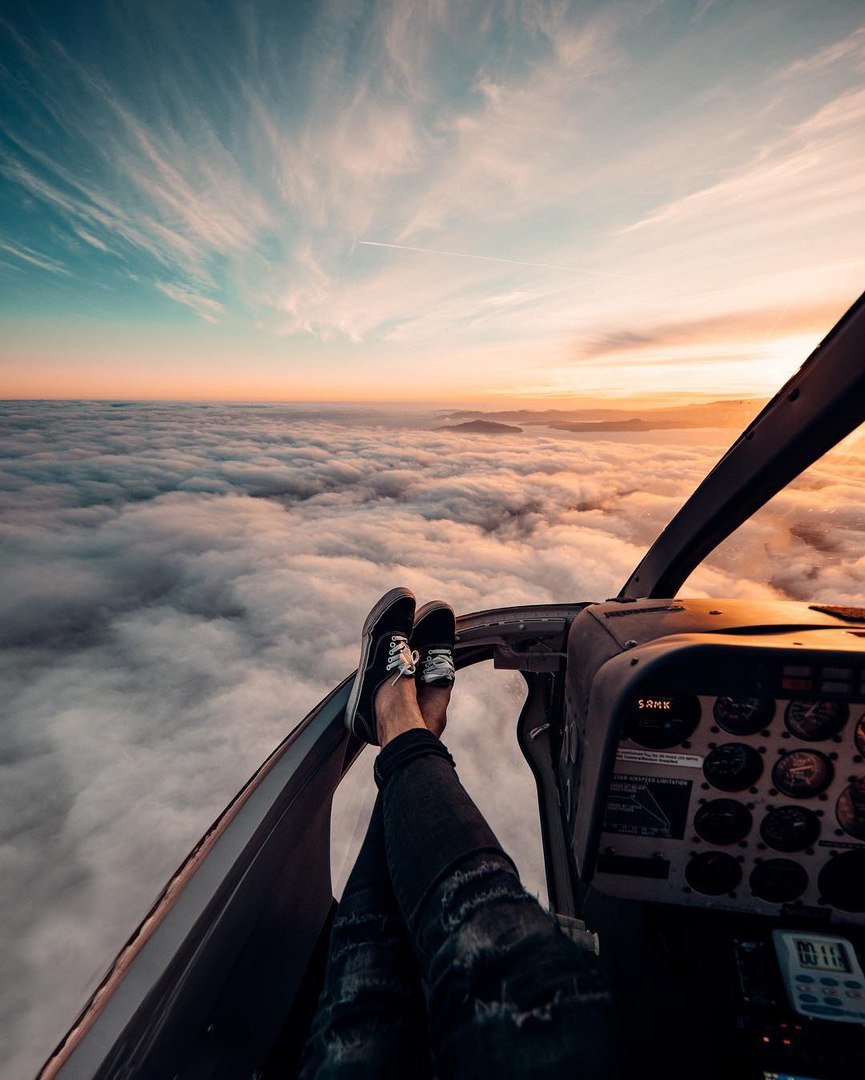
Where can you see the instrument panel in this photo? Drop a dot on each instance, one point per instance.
(745, 803)
(711, 767)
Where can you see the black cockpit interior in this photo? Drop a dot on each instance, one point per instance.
(713, 803)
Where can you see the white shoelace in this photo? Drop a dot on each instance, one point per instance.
(438, 664)
(401, 656)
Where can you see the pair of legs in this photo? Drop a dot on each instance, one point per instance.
(440, 963)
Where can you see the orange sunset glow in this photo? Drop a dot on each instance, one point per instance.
(604, 207)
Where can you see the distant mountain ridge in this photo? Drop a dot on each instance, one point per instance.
(735, 413)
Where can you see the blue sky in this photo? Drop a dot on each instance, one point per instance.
(441, 201)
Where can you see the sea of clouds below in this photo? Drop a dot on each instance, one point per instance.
(181, 584)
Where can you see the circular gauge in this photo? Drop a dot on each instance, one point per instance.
(859, 736)
(722, 821)
(815, 720)
(790, 828)
(850, 809)
(733, 766)
(842, 881)
(802, 774)
(778, 880)
(661, 721)
(743, 716)
(713, 873)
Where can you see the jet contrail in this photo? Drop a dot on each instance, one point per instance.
(495, 259)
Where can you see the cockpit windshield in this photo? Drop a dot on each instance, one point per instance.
(807, 543)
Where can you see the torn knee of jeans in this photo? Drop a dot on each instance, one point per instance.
(362, 918)
(457, 913)
(387, 943)
(544, 1012)
(459, 878)
(465, 890)
(474, 946)
(339, 1047)
(367, 988)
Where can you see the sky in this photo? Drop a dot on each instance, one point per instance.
(181, 584)
(437, 201)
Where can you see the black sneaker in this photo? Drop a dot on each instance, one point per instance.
(433, 638)
(384, 650)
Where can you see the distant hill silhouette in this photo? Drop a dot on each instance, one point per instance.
(482, 427)
(727, 414)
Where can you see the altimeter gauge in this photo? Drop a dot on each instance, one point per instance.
(813, 721)
(733, 766)
(743, 716)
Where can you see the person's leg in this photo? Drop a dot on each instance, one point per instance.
(371, 1020)
(507, 992)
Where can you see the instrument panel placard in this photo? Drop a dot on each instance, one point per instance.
(654, 806)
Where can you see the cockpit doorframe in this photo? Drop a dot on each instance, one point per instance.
(203, 986)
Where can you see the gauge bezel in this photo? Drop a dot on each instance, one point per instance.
(784, 865)
(844, 821)
(753, 756)
(720, 806)
(714, 859)
(808, 815)
(828, 731)
(813, 791)
(764, 710)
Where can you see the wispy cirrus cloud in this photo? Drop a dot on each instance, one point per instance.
(242, 158)
(205, 306)
(34, 258)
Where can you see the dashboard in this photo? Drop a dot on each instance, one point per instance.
(722, 750)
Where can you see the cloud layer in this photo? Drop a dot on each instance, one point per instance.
(181, 584)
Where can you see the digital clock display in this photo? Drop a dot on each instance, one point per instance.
(821, 955)
(659, 721)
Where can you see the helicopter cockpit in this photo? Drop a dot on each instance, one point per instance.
(700, 772)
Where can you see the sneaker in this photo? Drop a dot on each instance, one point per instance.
(433, 638)
(385, 654)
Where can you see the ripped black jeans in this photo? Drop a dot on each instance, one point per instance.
(440, 963)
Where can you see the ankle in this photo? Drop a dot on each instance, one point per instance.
(433, 703)
(389, 727)
(396, 709)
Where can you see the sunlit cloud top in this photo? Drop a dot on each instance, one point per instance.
(431, 200)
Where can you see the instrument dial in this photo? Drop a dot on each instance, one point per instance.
(850, 809)
(778, 880)
(713, 873)
(661, 721)
(812, 721)
(859, 736)
(842, 881)
(802, 774)
(733, 766)
(743, 716)
(790, 828)
(723, 821)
